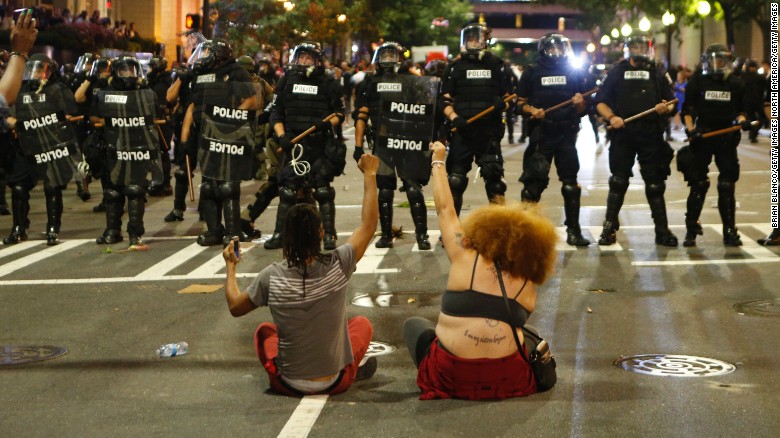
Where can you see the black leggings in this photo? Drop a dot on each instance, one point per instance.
(419, 333)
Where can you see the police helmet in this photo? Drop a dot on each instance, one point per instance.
(247, 63)
(210, 55)
(435, 67)
(306, 57)
(639, 47)
(127, 73)
(554, 46)
(157, 64)
(38, 70)
(84, 63)
(388, 57)
(101, 68)
(717, 60)
(474, 39)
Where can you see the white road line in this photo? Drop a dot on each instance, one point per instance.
(373, 256)
(170, 263)
(38, 256)
(300, 423)
(19, 247)
(216, 264)
(615, 247)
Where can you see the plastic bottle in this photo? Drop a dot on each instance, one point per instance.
(171, 350)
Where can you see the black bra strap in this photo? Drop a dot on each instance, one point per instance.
(521, 289)
(509, 311)
(473, 270)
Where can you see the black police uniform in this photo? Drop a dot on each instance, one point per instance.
(755, 84)
(510, 116)
(159, 82)
(24, 173)
(550, 82)
(303, 101)
(474, 85)
(629, 90)
(182, 150)
(714, 102)
(219, 196)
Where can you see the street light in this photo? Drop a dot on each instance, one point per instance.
(289, 6)
(703, 9)
(615, 33)
(605, 40)
(626, 30)
(668, 20)
(341, 18)
(644, 24)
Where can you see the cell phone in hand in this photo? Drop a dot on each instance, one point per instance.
(236, 249)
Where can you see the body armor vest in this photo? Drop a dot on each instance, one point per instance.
(306, 101)
(551, 86)
(716, 104)
(637, 90)
(476, 85)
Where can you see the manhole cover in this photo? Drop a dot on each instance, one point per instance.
(759, 307)
(398, 299)
(376, 348)
(674, 365)
(16, 354)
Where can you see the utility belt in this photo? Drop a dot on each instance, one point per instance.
(705, 127)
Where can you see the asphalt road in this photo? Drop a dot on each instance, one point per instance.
(111, 310)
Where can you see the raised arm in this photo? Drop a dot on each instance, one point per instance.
(23, 36)
(451, 231)
(369, 216)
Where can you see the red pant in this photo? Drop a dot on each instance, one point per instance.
(267, 347)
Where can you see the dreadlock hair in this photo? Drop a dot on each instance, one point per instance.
(301, 236)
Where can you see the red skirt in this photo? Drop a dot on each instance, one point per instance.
(444, 375)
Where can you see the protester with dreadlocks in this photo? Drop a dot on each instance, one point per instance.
(311, 347)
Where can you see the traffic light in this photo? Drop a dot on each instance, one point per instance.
(192, 21)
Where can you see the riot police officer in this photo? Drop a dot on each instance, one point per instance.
(126, 109)
(633, 85)
(159, 82)
(387, 61)
(714, 99)
(304, 97)
(222, 119)
(471, 84)
(179, 95)
(554, 136)
(47, 147)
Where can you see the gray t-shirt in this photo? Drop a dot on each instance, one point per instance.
(310, 313)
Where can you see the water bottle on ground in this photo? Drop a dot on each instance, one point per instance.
(171, 350)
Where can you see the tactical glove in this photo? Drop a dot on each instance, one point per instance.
(358, 153)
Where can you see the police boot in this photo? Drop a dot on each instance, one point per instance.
(617, 192)
(233, 226)
(655, 197)
(54, 215)
(385, 218)
(179, 194)
(727, 209)
(773, 239)
(115, 205)
(325, 197)
(20, 207)
(136, 199)
(571, 192)
(694, 206)
(214, 231)
(419, 216)
(287, 199)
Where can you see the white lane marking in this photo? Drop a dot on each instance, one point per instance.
(169, 264)
(373, 256)
(19, 247)
(215, 265)
(302, 420)
(38, 256)
(615, 247)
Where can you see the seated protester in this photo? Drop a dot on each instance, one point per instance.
(471, 353)
(311, 347)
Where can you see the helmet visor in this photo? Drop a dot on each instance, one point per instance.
(303, 56)
(555, 47)
(639, 48)
(132, 70)
(37, 70)
(720, 62)
(101, 68)
(84, 64)
(386, 55)
(473, 39)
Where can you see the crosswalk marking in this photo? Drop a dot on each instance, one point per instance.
(213, 269)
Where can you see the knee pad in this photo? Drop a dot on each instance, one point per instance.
(570, 187)
(386, 195)
(458, 182)
(618, 184)
(112, 195)
(207, 189)
(229, 190)
(20, 192)
(287, 195)
(181, 176)
(530, 194)
(414, 193)
(135, 191)
(700, 186)
(726, 186)
(495, 187)
(324, 194)
(655, 188)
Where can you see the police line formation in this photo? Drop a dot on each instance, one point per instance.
(114, 120)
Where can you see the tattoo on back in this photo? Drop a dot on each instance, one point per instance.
(491, 322)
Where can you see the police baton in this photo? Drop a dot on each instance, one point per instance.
(189, 176)
(162, 137)
(75, 118)
(307, 132)
(156, 122)
(485, 112)
(644, 113)
(570, 101)
(754, 123)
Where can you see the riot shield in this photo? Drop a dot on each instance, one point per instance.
(46, 136)
(405, 123)
(227, 133)
(130, 136)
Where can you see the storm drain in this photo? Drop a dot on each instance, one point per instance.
(759, 307)
(376, 348)
(398, 299)
(674, 365)
(17, 354)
